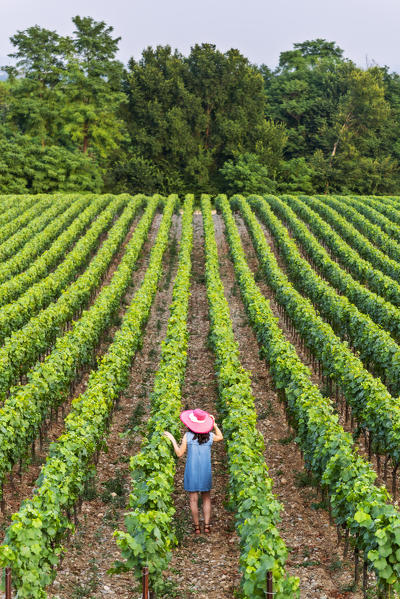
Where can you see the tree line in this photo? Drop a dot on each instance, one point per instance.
(73, 117)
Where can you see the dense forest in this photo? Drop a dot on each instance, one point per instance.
(73, 117)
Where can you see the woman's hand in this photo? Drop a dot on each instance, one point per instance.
(168, 435)
(218, 436)
(213, 417)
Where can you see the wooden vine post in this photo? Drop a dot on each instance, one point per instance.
(146, 593)
(8, 583)
(356, 569)
(270, 590)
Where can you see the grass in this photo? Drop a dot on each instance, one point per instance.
(302, 479)
(181, 527)
(111, 517)
(320, 505)
(37, 460)
(173, 250)
(259, 275)
(348, 588)
(267, 410)
(136, 416)
(90, 492)
(169, 589)
(309, 563)
(117, 320)
(98, 535)
(114, 490)
(287, 440)
(200, 539)
(336, 563)
(90, 586)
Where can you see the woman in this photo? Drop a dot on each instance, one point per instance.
(197, 478)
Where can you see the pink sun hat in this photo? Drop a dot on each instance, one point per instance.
(197, 420)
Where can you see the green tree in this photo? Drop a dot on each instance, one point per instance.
(303, 92)
(211, 121)
(39, 63)
(246, 175)
(342, 121)
(91, 90)
(188, 116)
(64, 94)
(164, 120)
(296, 175)
(136, 174)
(232, 98)
(27, 167)
(357, 159)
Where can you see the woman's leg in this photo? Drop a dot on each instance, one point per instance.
(194, 508)
(206, 497)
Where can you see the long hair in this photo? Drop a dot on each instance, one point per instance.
(201, 437)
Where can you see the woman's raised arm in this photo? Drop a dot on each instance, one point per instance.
(179, 449)
(218, 436)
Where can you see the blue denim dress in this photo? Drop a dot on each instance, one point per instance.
(198, 464)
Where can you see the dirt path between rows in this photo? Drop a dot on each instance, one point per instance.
(314, 554)
(204, 566)
(102, 238)
(332, 253)
(78, 273)
(92, 550)
(344, 415)
(368, 364)
(21, 484)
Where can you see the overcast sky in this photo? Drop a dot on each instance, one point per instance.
(367, 30)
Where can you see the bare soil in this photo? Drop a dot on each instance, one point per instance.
(315, 556)
(91, 551)
(203, 566)
(22, 481)
(386, 475)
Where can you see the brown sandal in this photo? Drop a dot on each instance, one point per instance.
(197, 530)
(207, 528)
